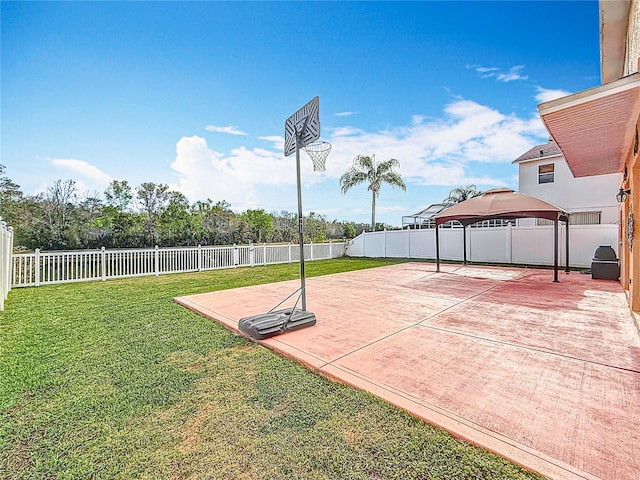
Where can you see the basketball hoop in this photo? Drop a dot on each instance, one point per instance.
(318, 151)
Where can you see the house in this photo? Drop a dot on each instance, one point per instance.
(543, 173)
(424, 218)
(597, 129)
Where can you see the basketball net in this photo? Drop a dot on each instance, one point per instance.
(318, 151)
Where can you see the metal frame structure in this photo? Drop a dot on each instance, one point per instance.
(301, 129)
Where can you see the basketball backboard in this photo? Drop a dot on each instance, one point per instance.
(304, 124)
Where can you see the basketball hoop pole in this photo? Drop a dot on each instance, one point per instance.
(303, 290)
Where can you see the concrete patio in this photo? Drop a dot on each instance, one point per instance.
(545, 374)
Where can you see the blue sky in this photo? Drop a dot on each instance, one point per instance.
(195, 94)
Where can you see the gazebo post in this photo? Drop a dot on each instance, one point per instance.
(566, 269)
(555, 250)
(464, 244)
(437, 249)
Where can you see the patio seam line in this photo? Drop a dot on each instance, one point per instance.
(469, 423)
(525, 347)
(411, 325)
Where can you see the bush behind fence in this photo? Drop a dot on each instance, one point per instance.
(46, 268)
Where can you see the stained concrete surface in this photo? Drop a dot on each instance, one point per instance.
(545, 374)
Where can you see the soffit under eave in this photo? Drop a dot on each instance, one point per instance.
(595, 132)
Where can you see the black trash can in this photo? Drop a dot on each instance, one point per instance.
(605, 265)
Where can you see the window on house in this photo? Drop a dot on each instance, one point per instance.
(577, 218)
(545, 173)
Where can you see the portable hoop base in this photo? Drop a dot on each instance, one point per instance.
(270, 324)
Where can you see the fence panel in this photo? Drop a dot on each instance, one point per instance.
(42, 268)
(533, 245)
(214, 258)
(397, 246)
(528, 245)
(489, 244)
(422, 243)
(127, 263)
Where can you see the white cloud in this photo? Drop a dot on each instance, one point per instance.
(345, 114)
(205, 173)
(229, 129)
(91, 176)
(276, 140)
(461, 147)
(441, 151)
(546, 94)
(391, 209)
(514, 73)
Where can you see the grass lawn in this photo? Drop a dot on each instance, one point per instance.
(114, 380)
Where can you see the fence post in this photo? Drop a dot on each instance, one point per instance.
(4, 245)
(330, 252)
(235, 255)
(10, 259)
(252, 255)
(408, 242)
(156, 263)
(311, 250)
(264, 253)
(385, 243)
(37, 267)
(103, 263)
(289, 252)
(509, 243)
(199, 258)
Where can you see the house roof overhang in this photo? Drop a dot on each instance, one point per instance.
(595, 128)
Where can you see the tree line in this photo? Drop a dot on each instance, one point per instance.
(147, 215)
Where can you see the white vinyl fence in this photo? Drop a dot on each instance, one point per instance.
(526, 245)
(6, 248)
(44, 268)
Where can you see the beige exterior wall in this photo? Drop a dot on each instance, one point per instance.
(633, 39)
(630, 254)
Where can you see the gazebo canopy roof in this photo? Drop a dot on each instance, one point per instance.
(499, 203)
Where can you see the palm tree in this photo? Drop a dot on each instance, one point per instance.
(460, 194)
(366, 169)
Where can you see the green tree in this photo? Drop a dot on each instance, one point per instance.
(260, 225)
(367, 170)
(119, 195)
(86, 230)
(120, 225)
(349, 229)
(315, 228)
(175, 221)
(460, 194)
(153, 199)
(10, 198)
(285, 228)
(58, 205)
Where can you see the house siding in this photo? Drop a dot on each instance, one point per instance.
(584, 194)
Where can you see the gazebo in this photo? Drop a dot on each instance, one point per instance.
(503, 203)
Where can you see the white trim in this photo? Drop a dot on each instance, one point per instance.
(605, 90)
(535, 159)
